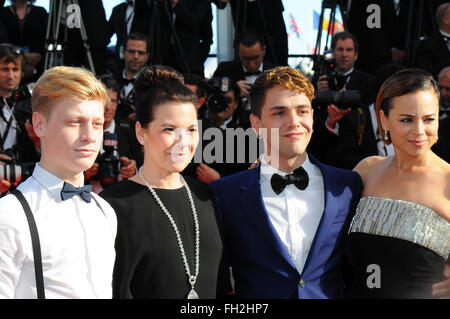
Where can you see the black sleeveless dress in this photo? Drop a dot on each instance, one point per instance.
(399, 249)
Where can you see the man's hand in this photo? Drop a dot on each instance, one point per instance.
(128, 167)
(4, 157)
(322, 83)
(91, 172)
(335, 114)
(207, 174)
(442, 289)
(4, 184)
(245, 88)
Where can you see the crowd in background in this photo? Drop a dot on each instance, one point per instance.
(178, 33)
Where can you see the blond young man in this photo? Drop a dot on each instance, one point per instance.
(76, 234)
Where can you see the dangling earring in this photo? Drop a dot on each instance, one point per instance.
(386, 134)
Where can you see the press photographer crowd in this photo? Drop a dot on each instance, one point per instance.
(170, 40)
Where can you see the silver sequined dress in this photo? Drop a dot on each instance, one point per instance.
(399, 249)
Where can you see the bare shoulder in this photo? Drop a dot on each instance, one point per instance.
(367, 165)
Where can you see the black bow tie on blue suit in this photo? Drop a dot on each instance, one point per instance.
(68, 191)
(299, 178)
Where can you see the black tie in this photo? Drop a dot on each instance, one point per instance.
(248, 73)
(299, 178)
(68, 191)
(127, 81)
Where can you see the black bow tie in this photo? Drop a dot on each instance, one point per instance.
(248, 73)
(127, 81)
(68, 191)
(299, 178)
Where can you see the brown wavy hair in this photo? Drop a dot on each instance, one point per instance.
(282, 76)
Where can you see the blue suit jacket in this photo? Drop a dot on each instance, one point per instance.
(262, 268)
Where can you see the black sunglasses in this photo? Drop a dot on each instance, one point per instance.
(11, 48)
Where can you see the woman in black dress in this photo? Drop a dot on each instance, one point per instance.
(400, 234)
(168, 244)
(26, 27)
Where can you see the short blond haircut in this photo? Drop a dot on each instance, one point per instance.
(63, 82)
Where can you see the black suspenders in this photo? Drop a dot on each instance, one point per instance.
(36, 243)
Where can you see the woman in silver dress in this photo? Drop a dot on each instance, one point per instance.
(400, 234)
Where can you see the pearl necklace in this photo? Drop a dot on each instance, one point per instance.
(192, 278)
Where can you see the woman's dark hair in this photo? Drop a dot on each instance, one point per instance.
(400, 83)
(157, 85)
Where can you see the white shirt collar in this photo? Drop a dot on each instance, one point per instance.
(445, 34)
(268, 170)
(49, 181)
(260, 69)
(224, 125)
(348, 72)
(111, 128)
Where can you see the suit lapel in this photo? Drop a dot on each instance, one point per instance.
(331, 203)
(253, 205)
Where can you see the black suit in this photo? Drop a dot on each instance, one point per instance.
(374, 43)
(348, 150)
(191, 18)
(94, 19)
(276, 28)
(442, 147)
(25, 148)
(364, 83)
(128, 144)
(117, 25)
(235, 71)
(433, 54)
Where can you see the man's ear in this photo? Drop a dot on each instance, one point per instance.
(256, 123)
(201, 101)
(39, 124)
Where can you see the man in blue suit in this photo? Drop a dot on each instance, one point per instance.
(284, 223)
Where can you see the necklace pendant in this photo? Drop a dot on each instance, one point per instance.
(192, 294)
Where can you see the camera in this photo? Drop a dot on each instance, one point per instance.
(12, 171)
(21, 94)
(216, 101)
(342, 99)
(336, 81)
(109, 163)
(127, 103)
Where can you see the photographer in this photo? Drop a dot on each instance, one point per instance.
(16, 134)
(224, 113)
(136, 55)
(252, 50)
(120, 152)
(345, 76)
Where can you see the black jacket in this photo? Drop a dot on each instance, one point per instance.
(235, 71)
(433, 54)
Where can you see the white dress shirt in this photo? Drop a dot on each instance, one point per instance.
(76, 237)
(295, 214)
